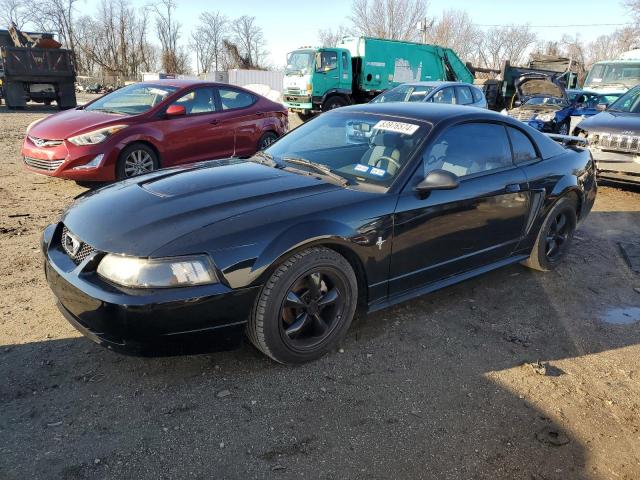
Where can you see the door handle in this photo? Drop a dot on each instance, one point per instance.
(512, 188)
(260, 114)
(214, 122)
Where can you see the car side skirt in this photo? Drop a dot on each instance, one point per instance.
(432, 287)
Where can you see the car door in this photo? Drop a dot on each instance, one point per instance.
(197, 135)
(447, 232)
(242, 121)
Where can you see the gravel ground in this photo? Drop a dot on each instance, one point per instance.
(513, 375)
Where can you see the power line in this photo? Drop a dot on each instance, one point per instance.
(558, 26)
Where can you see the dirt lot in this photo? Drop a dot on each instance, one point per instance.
(441, 387)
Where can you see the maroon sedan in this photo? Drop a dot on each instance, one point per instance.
(146, 126)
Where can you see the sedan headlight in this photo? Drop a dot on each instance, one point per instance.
(157, 272)
(546, 117)
(96, 136)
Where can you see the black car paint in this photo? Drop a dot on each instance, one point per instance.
(249, 217)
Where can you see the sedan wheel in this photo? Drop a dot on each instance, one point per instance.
(305, 307)
(267, 139)
(137, 159)
(137, 163)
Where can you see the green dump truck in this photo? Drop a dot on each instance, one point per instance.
(359, 68)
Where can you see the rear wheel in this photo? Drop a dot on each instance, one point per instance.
(266, 139)
(305, 308)
(554, 237)
(563, 128)
(136, 159)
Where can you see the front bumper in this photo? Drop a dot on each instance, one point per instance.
(63, 160)
(298, 103)
(145, 322)
(617, 166)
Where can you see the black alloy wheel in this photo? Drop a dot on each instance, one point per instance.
(312, 308)
(554, 236)
(557, 236)
(305, 307)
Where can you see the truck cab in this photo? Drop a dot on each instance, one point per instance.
(615, 76)
(317, 79)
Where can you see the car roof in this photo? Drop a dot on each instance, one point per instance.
(430, 112)
(435, 83)
(180, 83)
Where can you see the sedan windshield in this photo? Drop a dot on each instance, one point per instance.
(132, 99)
(300, 62)
(629, 102)
(546, 101)
(404, 93)
(366, 151)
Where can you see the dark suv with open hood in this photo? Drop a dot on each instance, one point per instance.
(542, 103)
(614, 138)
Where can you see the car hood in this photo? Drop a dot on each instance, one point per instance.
(538, 85)
(63, 125)
(613, 122)
(138, 216)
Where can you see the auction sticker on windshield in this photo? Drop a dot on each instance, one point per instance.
(398, 127)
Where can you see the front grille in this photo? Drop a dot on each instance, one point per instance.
(43, 142)
(616, 143)
(81, 253)
(293, 91)
(521, 115)
(47, 165)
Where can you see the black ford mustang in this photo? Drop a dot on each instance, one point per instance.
(360, 208)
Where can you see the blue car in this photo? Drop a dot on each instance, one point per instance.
(542, 103)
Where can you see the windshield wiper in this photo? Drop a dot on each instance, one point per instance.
(267, 159)
(318, 167)
(106, 110)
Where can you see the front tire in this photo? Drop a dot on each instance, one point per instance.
(554, 236)
(136, 159)
(334, 102)
(563, 128)
(305, 308)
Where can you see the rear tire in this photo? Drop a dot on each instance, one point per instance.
(266, 139)
(554, 237)
(136, 159)
(305, 308)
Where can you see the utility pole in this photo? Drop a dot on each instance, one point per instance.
(424, 25)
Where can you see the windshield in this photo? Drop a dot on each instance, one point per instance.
(404, 93)
(614, 74)
(366, 150)
(629, 102)
(300, 62)
(546, 101)
(132, 99)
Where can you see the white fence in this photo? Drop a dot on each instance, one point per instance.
(263, 82)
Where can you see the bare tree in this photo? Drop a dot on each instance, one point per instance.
(207, 40)
(57, 16)
(393, 19)
(168, 31)
(14, 11)
(329, 37)
(608, 47)
(455, 30)
(512, 43)
(249, 40)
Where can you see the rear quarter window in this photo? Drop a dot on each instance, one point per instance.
(523, 149)
(232, 99)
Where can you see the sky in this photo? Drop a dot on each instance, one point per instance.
(289, 25)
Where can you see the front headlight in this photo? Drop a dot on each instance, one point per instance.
(546, 117)
(96, 136)
(157, 272)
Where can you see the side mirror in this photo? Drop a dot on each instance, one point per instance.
(176, 111)
(517, 103)
(438, 180)
(601, 107)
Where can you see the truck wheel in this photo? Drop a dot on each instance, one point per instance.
(333, 102)
(303, 117)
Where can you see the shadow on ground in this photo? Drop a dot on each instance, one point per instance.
(412, 396)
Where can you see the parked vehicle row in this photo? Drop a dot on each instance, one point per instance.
(357, 209)
(145, 126)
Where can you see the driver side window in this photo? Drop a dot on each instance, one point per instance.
(469, 149)
(328, 61)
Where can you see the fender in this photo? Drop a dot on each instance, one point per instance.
(304, 234)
